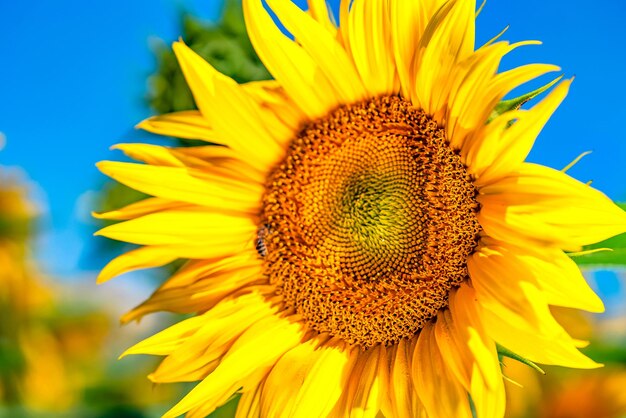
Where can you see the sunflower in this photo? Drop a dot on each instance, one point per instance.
(367, 231)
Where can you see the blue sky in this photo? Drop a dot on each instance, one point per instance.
(73, 81)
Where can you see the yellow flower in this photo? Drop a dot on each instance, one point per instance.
(364, 237)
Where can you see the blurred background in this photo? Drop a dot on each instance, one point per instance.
(75, 77)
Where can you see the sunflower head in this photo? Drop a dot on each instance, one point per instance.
(368, 230)
(368, 222)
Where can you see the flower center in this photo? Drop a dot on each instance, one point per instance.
(368, 221)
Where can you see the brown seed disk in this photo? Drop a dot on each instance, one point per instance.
(368, 222)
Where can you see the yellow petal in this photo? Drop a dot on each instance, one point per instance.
(482, 146)
(168, 340)
(447, 40)
(289, 63)
(274, 107)
(258, 348)
(151, 154)
(440, 392)
(195, 270)
(506, 81)
(188, 124)
(140, 258)
(477, 351)
(218, 161)
(365, 389)
(231, 112)
(477, 89)
(319, 10)
(211, 159)
(324, 382)
(403, 398)
(467, 108)
(515, 142)
(278, 398)
(265, 91)
(250, 403)
(554, 273)
(186, 227)
(466, 341)
(454, 348)
(540, 205)
(140, 208)
(182, 184)
(408, 22)
(481, 149)
(199, 296)
(276, 103)
(223, 325)
(323, 48)
(516, 312)
(277, 109)
(369, 36)
(171, 156)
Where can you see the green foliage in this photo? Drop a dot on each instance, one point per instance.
(612, 252)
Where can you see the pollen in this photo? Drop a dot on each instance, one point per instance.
(368, 221)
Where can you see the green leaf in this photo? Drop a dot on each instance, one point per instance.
(516, 103)
(505, 352)
(608, 253)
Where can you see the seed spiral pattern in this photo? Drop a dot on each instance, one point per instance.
(368, 221)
